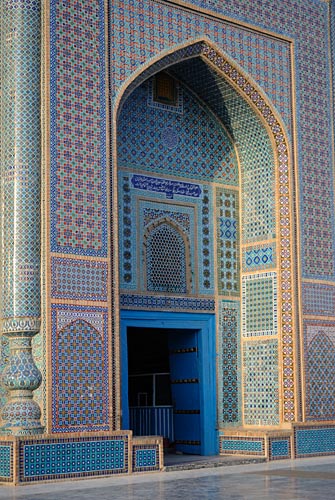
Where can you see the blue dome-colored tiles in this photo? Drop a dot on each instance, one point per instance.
(229, 364)
(20, 200)
(80, 363)
(191, 144)
(161, 27)
(261, 382)
(320, 374)
(78, 128)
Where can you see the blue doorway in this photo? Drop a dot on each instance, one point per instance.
(190, 343)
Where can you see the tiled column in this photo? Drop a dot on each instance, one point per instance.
(20, 203)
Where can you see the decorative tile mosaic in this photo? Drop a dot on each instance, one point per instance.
(202, 148)
(227, 217)
(318, 299)
(314, 441)
(313, 72)
(224, 77)
(20, 147)
(160, 27)
(254, 147)
(145, 458)
(69, 314)
(20, 165)
(166, 249)
(259, 304)
(73, 458)
(206, 263)
(259, 257)
(6, 462)
(78, 128)
(4, 358)
(151, 213)
(261, 383)
(173, 230)
(279, 448)
(136, 216)
(319, 352)
(129, 301)
(79, 279)
(229, 364)
(237, 445)
(27, 4)
(332, 41)
(80, 389)
(39, 353)
(258, 195)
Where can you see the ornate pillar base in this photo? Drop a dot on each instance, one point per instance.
(21, 414)
(22, 417)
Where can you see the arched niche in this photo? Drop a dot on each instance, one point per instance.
(265, 180)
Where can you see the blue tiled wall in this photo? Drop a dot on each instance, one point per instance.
(77, 458)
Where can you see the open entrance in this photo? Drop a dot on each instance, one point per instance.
(163, 386)
(168, 378)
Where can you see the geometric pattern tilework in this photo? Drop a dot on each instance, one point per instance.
(69, 314)
(259, 304)
(315, 155)
(258, 187)
(314, 441)
(165, 251)
(6, 461)
(79, 373)
(284, 208)
(145, 458)
(229, 391)
(192, 145)
(318, 299)
(236, 104)
(39, 354)
(227, 242)
(261, 383)
(333, 46)
(205, 264)
(4, 358)
(320, 371)
(167, 303)
(153, 213)
(127, 254)
(20, 158)
(78, 123)
(259, 257)
(78, 457)
(279, 448)
(238, 445)
(78, 279)
(137, 216)
(254, 146)
(253, 51)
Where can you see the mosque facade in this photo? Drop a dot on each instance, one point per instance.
(167, 233)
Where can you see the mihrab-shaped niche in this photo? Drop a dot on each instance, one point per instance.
(167, 259)
(79, 393)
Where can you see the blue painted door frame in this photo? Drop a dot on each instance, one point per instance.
(205, 325)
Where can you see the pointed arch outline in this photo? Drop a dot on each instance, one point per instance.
(258, 101)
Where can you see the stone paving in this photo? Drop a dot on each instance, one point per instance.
(307, 479)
